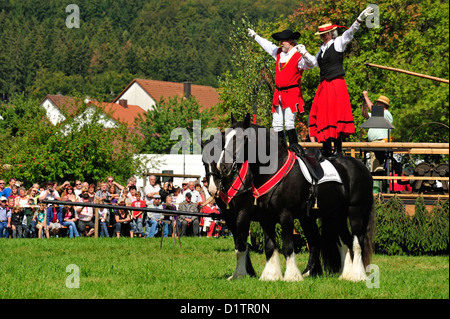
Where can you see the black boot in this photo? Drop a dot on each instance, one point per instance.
(338, 146)
(327, 150)
(293, 142)
(282, 138)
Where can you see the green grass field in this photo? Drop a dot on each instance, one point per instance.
(111, 268)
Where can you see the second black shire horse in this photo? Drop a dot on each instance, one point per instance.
(280, 194)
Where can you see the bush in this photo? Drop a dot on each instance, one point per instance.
(425, 233)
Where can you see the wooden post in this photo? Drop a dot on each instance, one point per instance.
(408, 72)
(96, 220)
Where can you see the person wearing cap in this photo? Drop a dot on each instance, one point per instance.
(5, 218)
(376, 134)
(331, 117)
(189, 206)
(155, 219)
(287, 98)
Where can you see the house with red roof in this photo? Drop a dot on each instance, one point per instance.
(146, 93)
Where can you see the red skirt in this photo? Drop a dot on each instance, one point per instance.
(331, 113)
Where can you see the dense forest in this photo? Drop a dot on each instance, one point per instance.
(118, 40)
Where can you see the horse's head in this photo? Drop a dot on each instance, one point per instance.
(210, 154)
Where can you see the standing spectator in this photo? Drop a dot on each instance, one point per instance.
(164, 191)
(103, 193)
(196, 198)
(71, 196)
(22, 199)
(377, 158)
(14, 192)
(7, 191)
(184, 188)
(155, 219)
(178, 198)
(114, 194)
(54, 219)
(137, 217)
(132, 193)
(85, 215)
(33, 193)
(125, 198)
(122, 218)
(205, 188)
(41, 221)
(91, 192)
(151, 189)
(186, 220)
(169, 205)
(5, 218)
(69, 220)
(77, 189)
(27, 223)
(49, 193)
(2, 188)
(111, 182)
(16, 221)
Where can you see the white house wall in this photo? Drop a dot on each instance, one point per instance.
(136, 95)
(180, 164)
(53, 113)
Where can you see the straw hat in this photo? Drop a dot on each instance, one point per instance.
(383, 99)
(324, 28)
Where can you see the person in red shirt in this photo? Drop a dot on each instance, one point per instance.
(210, 208)
(137, 217)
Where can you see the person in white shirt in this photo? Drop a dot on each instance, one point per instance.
(196, 198)
(151, 190)
(287, 99)
(331, 117)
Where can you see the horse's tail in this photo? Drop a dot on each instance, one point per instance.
(331, 257)
(369, 236)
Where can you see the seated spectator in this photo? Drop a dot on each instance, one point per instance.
(54, 219)
(132, 193)
(41, 220)
(85, 216)
(209, 224)
(5, 218)
(14, 192)
(103, 215)
(186, 220)
(155, 219)
(69, 220)
(137, 217)
(122, 218)
(114, 194)
(16, 221)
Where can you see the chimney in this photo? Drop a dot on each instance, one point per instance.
(187, 90)
(123, 103)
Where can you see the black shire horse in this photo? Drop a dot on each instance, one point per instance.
(280, 194)
(232, 192)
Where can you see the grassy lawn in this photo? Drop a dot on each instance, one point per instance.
(111, 268)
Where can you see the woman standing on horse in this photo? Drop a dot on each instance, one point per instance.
(331, 117)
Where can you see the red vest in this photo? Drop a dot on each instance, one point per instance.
(287, 75)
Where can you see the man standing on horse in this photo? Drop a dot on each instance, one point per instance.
(287, 99)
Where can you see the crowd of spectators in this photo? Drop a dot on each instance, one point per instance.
(24, 215)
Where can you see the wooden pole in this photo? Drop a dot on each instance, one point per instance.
(408, 72)
(96, 221)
